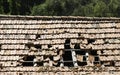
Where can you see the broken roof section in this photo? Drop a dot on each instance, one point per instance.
(59, 41)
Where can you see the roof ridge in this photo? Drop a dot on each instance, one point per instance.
(60, 17)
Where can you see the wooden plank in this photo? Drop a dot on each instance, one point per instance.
(21, 22)
(9, 58)
(85, 31)
(16, 31)
(44, 21)
(105, 25)
(60, 73)
(57, 69)
(14, 36)
(109, 52)
(112, 40)
(106, 46)
(66, 35)
(59, 41)
(90, 36)
(52, 41)
(10, 26)
(9, 63)
(73, 41)
(61, 46)
(100, 47)
(53, 47)
(109, 58)
(9, 41)
(58, 26)
(101, 36)
(14, 52)
(58, 31)
(48, 53)
(13, 47)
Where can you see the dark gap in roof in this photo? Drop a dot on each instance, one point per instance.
(84, 58)
(69, 64)
(58, 64)
(38, 46)
(28, 60)
(77, 46)
(81, 52)
(29, 44)
(97, 59)
(37, 36)
(67, 59)
(112, 63)
(102, 51)
(40, 63)
(82, 63)
(11, 63)
(67, 56)
(49, 46)
(93, 52)
(65, 31)
(1, 67)
(91, 41)
(20, 74)
(51, 57)
(0, 47)
(79, 34)
(58, 52)
(67, 41)
(67, 44)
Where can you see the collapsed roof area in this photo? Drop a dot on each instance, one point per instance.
(37, 44)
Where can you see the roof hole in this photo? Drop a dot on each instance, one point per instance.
(51, 57)
(67, 44)
(28, 60)
(11, 63)
(102, 51)
(91, 41)
(93, 52)
(37, 36)
(81, 52)
(38, 46)
(81, 63)
(39, 63)
(77, 46)
(49, 46)
(67, 56)
(20, 74)
(1, 67)
(29, 44)
(57, 64)
(0, 47)
(70, 64)
(96, 58)
(79, 34)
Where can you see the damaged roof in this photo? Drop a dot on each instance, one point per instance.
(33, 43)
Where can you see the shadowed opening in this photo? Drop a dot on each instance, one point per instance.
(28, 61)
